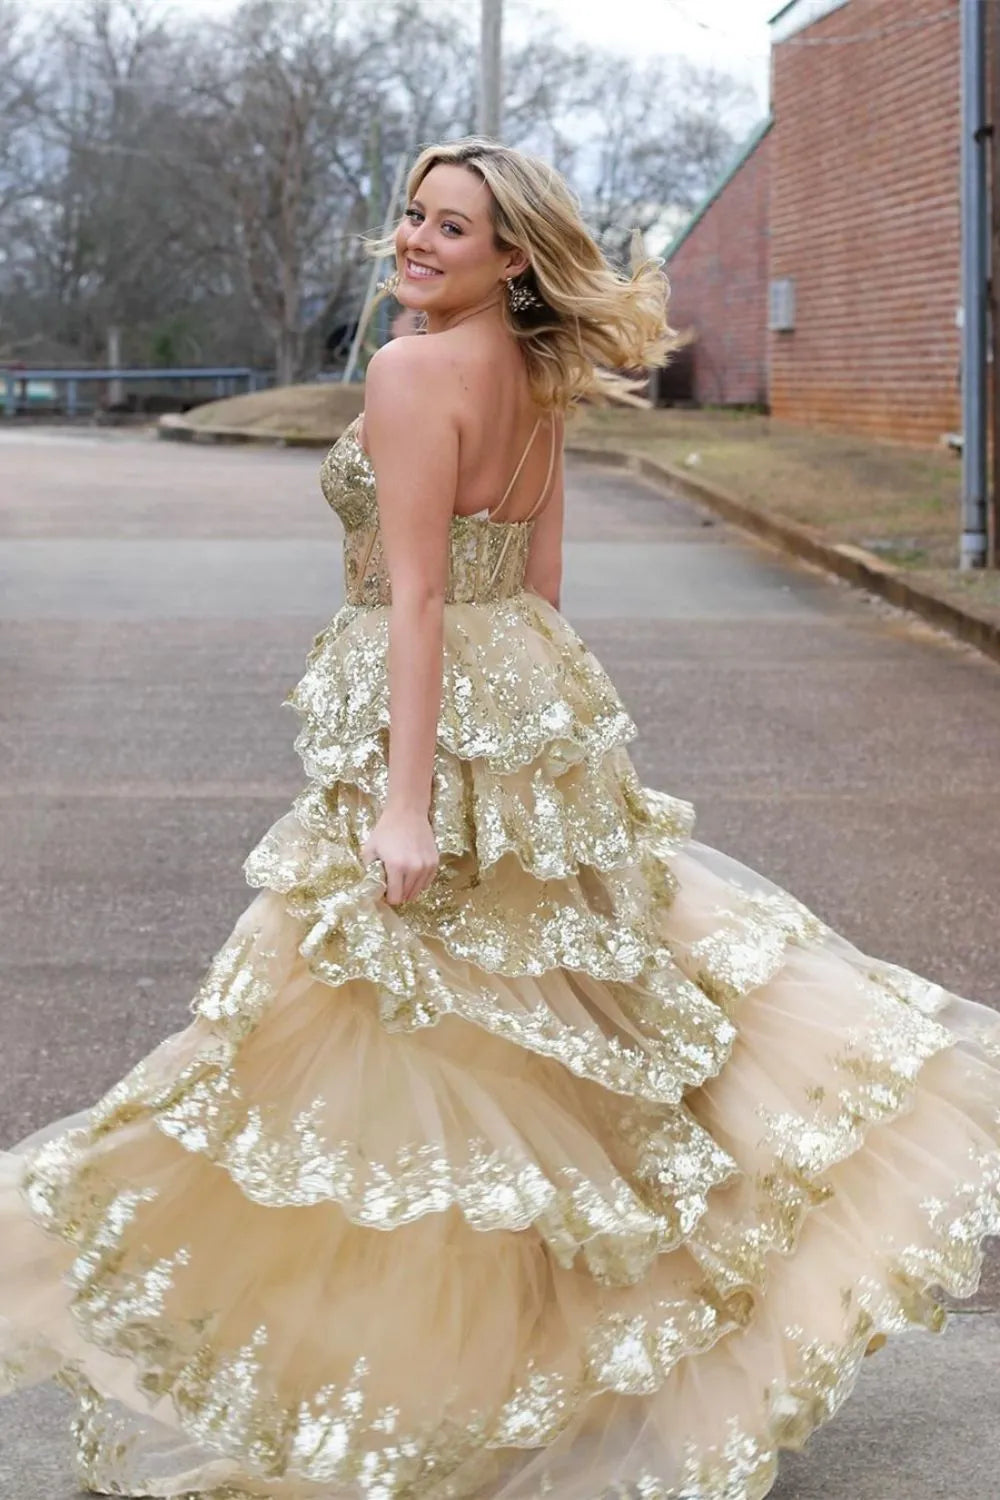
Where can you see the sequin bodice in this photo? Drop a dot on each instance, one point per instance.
(487, 557)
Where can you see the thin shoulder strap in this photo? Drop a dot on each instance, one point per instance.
(513, 478)
(548, 474)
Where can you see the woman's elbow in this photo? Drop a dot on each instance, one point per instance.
(418, 601)
(547, 585)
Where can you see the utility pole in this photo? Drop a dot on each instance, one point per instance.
(375, 212)
(973, 549)
(375, 272)
(490, 67)
(993, 518)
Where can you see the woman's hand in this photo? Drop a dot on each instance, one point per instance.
(404, 841)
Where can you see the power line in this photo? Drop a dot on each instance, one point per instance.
(693, 20)
(892, 28)
(738, 43)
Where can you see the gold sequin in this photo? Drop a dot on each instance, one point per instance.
(224, 1395)
(518, 687)
(487, 558)
(617, 1227)
(426, 962)
(748, 946)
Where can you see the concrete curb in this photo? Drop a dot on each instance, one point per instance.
(174, 429)
(855, 564)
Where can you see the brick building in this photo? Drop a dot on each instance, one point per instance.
(862, 232)
(718, 269)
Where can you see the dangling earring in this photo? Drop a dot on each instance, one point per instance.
(520, 297)
(389, 284)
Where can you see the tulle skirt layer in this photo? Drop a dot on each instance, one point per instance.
(594, 1173)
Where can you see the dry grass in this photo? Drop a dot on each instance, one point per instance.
(902, 503)
(855, 489)
(301, 411)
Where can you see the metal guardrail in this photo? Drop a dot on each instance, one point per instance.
(226, 379)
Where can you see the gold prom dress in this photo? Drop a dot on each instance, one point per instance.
(593, 1172)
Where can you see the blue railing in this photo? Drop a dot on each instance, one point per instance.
(226, 379)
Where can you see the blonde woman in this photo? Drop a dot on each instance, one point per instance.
(520, 1145)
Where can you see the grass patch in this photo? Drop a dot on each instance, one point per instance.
(898, 502)
(302, 411)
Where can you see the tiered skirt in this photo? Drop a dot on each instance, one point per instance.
(594, 1172)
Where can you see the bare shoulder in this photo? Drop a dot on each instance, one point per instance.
(395, 366)
(410, 380)
(410, 413)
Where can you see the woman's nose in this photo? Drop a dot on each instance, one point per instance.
(419, 237)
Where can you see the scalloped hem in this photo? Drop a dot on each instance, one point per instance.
(650, 1035)
(554, 820)
(914, 1151)
(942, 1212)
(819, 1374)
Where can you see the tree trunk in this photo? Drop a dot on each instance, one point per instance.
(288, 356)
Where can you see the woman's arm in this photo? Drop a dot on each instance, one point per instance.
(413, 443)
(543, 573)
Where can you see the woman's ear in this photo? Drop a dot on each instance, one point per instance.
(517, 262)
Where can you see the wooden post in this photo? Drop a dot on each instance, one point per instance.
(116, 387)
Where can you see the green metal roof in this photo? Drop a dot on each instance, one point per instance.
(747, 149)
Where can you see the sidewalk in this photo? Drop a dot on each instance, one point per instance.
(935, 596)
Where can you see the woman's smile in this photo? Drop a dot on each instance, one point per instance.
(418, 272)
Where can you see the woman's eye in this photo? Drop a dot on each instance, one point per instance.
(414, 213)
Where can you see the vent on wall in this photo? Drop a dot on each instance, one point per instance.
(781, 306)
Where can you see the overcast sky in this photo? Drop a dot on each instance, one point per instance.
(732, 34)
(729, 33)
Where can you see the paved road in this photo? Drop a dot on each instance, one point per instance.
(156, 602)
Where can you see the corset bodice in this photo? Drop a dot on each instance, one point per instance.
(487, 560)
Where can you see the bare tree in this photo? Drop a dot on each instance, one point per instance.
(98, 230)
(21, 86)
(19, 102)
(277, 124)
(203, 186)
(661, 134)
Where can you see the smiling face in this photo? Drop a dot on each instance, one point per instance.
(445, 252)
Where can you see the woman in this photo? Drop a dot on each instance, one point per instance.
(520, 1145)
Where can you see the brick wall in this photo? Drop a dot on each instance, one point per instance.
(865, 219)
(718, 278)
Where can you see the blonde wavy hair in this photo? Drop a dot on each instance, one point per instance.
(594, 321)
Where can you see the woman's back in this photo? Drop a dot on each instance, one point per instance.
(506, 442)
(499, 426)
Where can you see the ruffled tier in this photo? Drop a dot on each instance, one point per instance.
(320, 1103)
(591, 1173)
(616, 1007)
(519, 687)
(303, 1347)
(554, 821)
